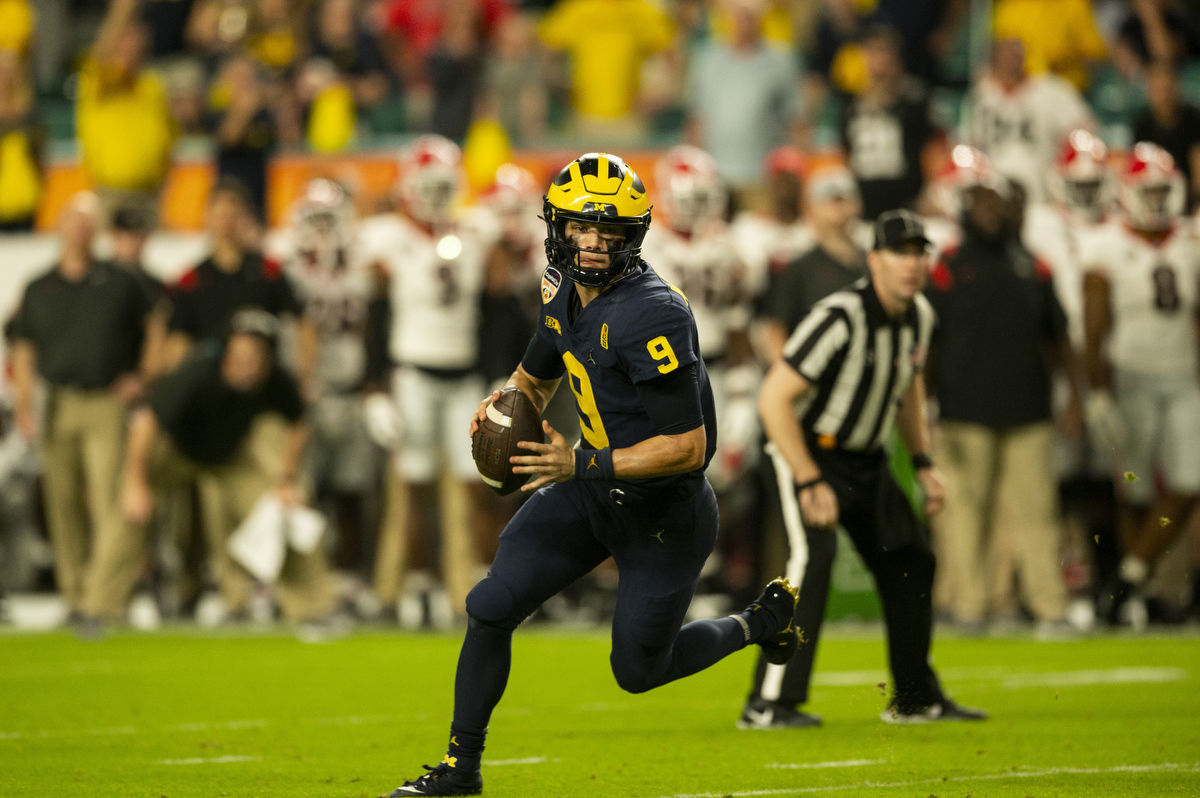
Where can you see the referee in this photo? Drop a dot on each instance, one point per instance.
(850, 369)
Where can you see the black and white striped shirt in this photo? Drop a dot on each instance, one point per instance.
(861, 362)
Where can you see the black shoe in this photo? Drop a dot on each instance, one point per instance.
(944, 710)
(777, 604)
(1112, 596)
(441, 780)
(764, 715)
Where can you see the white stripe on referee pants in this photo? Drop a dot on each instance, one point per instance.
(797, 554)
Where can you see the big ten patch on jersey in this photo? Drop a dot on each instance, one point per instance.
(707, 270)
(1153, 295)
(435, 280)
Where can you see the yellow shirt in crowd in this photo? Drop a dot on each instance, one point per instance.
(607, 40)
(125, 128)
(16, 25)
(1060, 36)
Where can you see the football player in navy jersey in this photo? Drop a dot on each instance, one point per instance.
(634, 489)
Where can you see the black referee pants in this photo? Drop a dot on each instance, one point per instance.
(894, 545)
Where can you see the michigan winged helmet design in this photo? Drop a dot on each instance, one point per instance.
(598, 189)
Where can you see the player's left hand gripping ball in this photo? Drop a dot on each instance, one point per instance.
(507, 419)
(553, 462)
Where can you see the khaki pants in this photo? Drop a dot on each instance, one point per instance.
(228, 493)
(1001, 515)
(96, 558)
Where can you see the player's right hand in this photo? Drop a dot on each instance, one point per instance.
(819, 506)
(481, 414)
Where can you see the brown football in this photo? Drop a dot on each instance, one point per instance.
(510, 419)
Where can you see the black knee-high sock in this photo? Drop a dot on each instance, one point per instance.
(703, 643)
(483, 666)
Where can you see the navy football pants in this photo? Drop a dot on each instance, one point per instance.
(562, 533)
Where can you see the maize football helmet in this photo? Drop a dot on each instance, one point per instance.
(596, 189)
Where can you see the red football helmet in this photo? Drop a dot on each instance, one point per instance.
(515, 189)
(1081, 179)
(430, 178)
(967, 168)
(786, 159)
(689, 187)
(321, 221)
(1152, 190)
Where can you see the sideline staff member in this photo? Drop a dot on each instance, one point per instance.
(850, 369)
(81, 327)
(206, 409)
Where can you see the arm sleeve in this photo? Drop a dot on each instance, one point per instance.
(673, 401)
(22, 323)
(379, 322)
(183, 305)
(542, 360)
(171, 395)
(285, 395)
(661, 342)
(1056, 317)
(823, 333)
(286, 299)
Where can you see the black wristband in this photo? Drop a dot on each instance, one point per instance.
(812, 483)
(921, 461)
(594, 464)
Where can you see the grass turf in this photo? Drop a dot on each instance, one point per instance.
(182, 714)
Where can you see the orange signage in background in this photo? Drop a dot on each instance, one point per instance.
(370, 177)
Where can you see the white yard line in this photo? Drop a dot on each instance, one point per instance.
(215, 760)
(1106, 676)
(1020, 774)
(844, 763)
(1014, 681)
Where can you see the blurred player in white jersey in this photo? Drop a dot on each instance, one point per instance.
(767, 241)
(1081, 191)
(1018, 120)
(1140, 308)
(336, 289)
(694, 251)
(435, 268)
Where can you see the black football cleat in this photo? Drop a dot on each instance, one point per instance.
(441, 780)
(777, 607)
(944, 710)
(762, 715)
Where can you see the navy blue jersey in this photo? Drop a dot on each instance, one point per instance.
(636, 333)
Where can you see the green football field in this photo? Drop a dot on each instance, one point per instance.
(181, 714)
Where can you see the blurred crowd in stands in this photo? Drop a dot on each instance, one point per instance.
(333, 361)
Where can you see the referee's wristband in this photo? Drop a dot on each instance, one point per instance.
(594, 464)
(921, 461)
(812, 483)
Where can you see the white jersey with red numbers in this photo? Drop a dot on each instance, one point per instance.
(335, 299)
(705, 267)
(1153, 294)
(435, 283)
(1021, 129)
(1059, 238)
